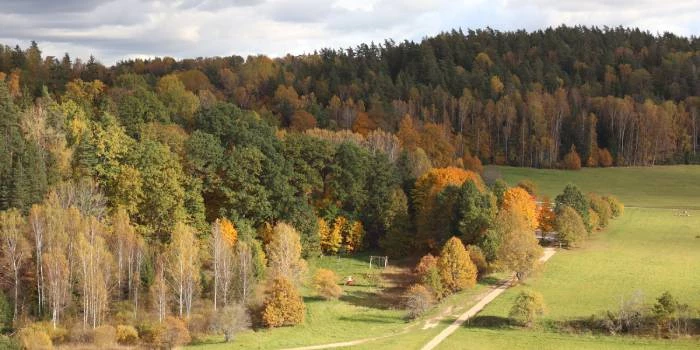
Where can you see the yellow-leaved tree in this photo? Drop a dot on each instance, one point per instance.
(518, 199)
(457, 271)
(283, 306)
(353, 237)
(330, 237)
(183, 266)
(284, 254)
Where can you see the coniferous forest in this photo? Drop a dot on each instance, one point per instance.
(150, 185)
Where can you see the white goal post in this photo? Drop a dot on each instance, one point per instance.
(379, 261)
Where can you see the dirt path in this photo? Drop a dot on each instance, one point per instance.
(548, 252)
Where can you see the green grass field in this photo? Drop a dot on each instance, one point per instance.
(675, 186)
(647, 251)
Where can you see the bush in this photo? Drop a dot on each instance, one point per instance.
(477, 257)
(418, 300)
(528, 306)
(570, 226)
(127, 335)
(426, 263)
(172, 332)
(326, 285)
(31, 338)
(605, 159)
(432, 281)
(572, 161)
(616, 207)
(601, 207)
(104, 336)
(283, 305)
(232, 319)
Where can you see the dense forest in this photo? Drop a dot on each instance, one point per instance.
(154, 185)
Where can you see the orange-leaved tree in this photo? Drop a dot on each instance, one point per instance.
(518, 199)
(430, 222)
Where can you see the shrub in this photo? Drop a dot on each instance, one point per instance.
(127, 335)
(570, 226)
(31, 338)
(326, 285)
(528, 306)
(148, 332)
(601, 207)
(426, 263)
(104, 336)
(457, 271)
(616, 207)
(605, 159)
(477, 257)
(232, 319)
(172, 332)
(432, 281)
(418, 300)
(593, 220)
(572, 161)
(283, 305)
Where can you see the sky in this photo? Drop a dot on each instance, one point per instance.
(114, 30)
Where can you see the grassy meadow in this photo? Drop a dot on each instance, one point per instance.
(676, 186)
(647, 251)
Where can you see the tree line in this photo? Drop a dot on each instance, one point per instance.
(620, 96)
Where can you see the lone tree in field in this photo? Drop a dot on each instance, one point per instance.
(570, 226)
(528, 306)
(326, 285)
(283, 306)
(457, 270)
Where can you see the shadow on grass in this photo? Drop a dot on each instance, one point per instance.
(313, 299)
(488, 322)
(365, 299)
(371, 319)
(490, 281)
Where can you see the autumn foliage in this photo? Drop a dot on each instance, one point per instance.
(518, 199)
(456, 268)
(425, 196)
(325, 283)
(572, 161)
(283, 306)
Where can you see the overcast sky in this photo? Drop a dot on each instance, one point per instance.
(116, 29)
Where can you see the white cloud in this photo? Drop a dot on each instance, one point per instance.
(113, 30)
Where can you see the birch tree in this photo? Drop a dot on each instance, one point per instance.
(15, 248)
(183, 266)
